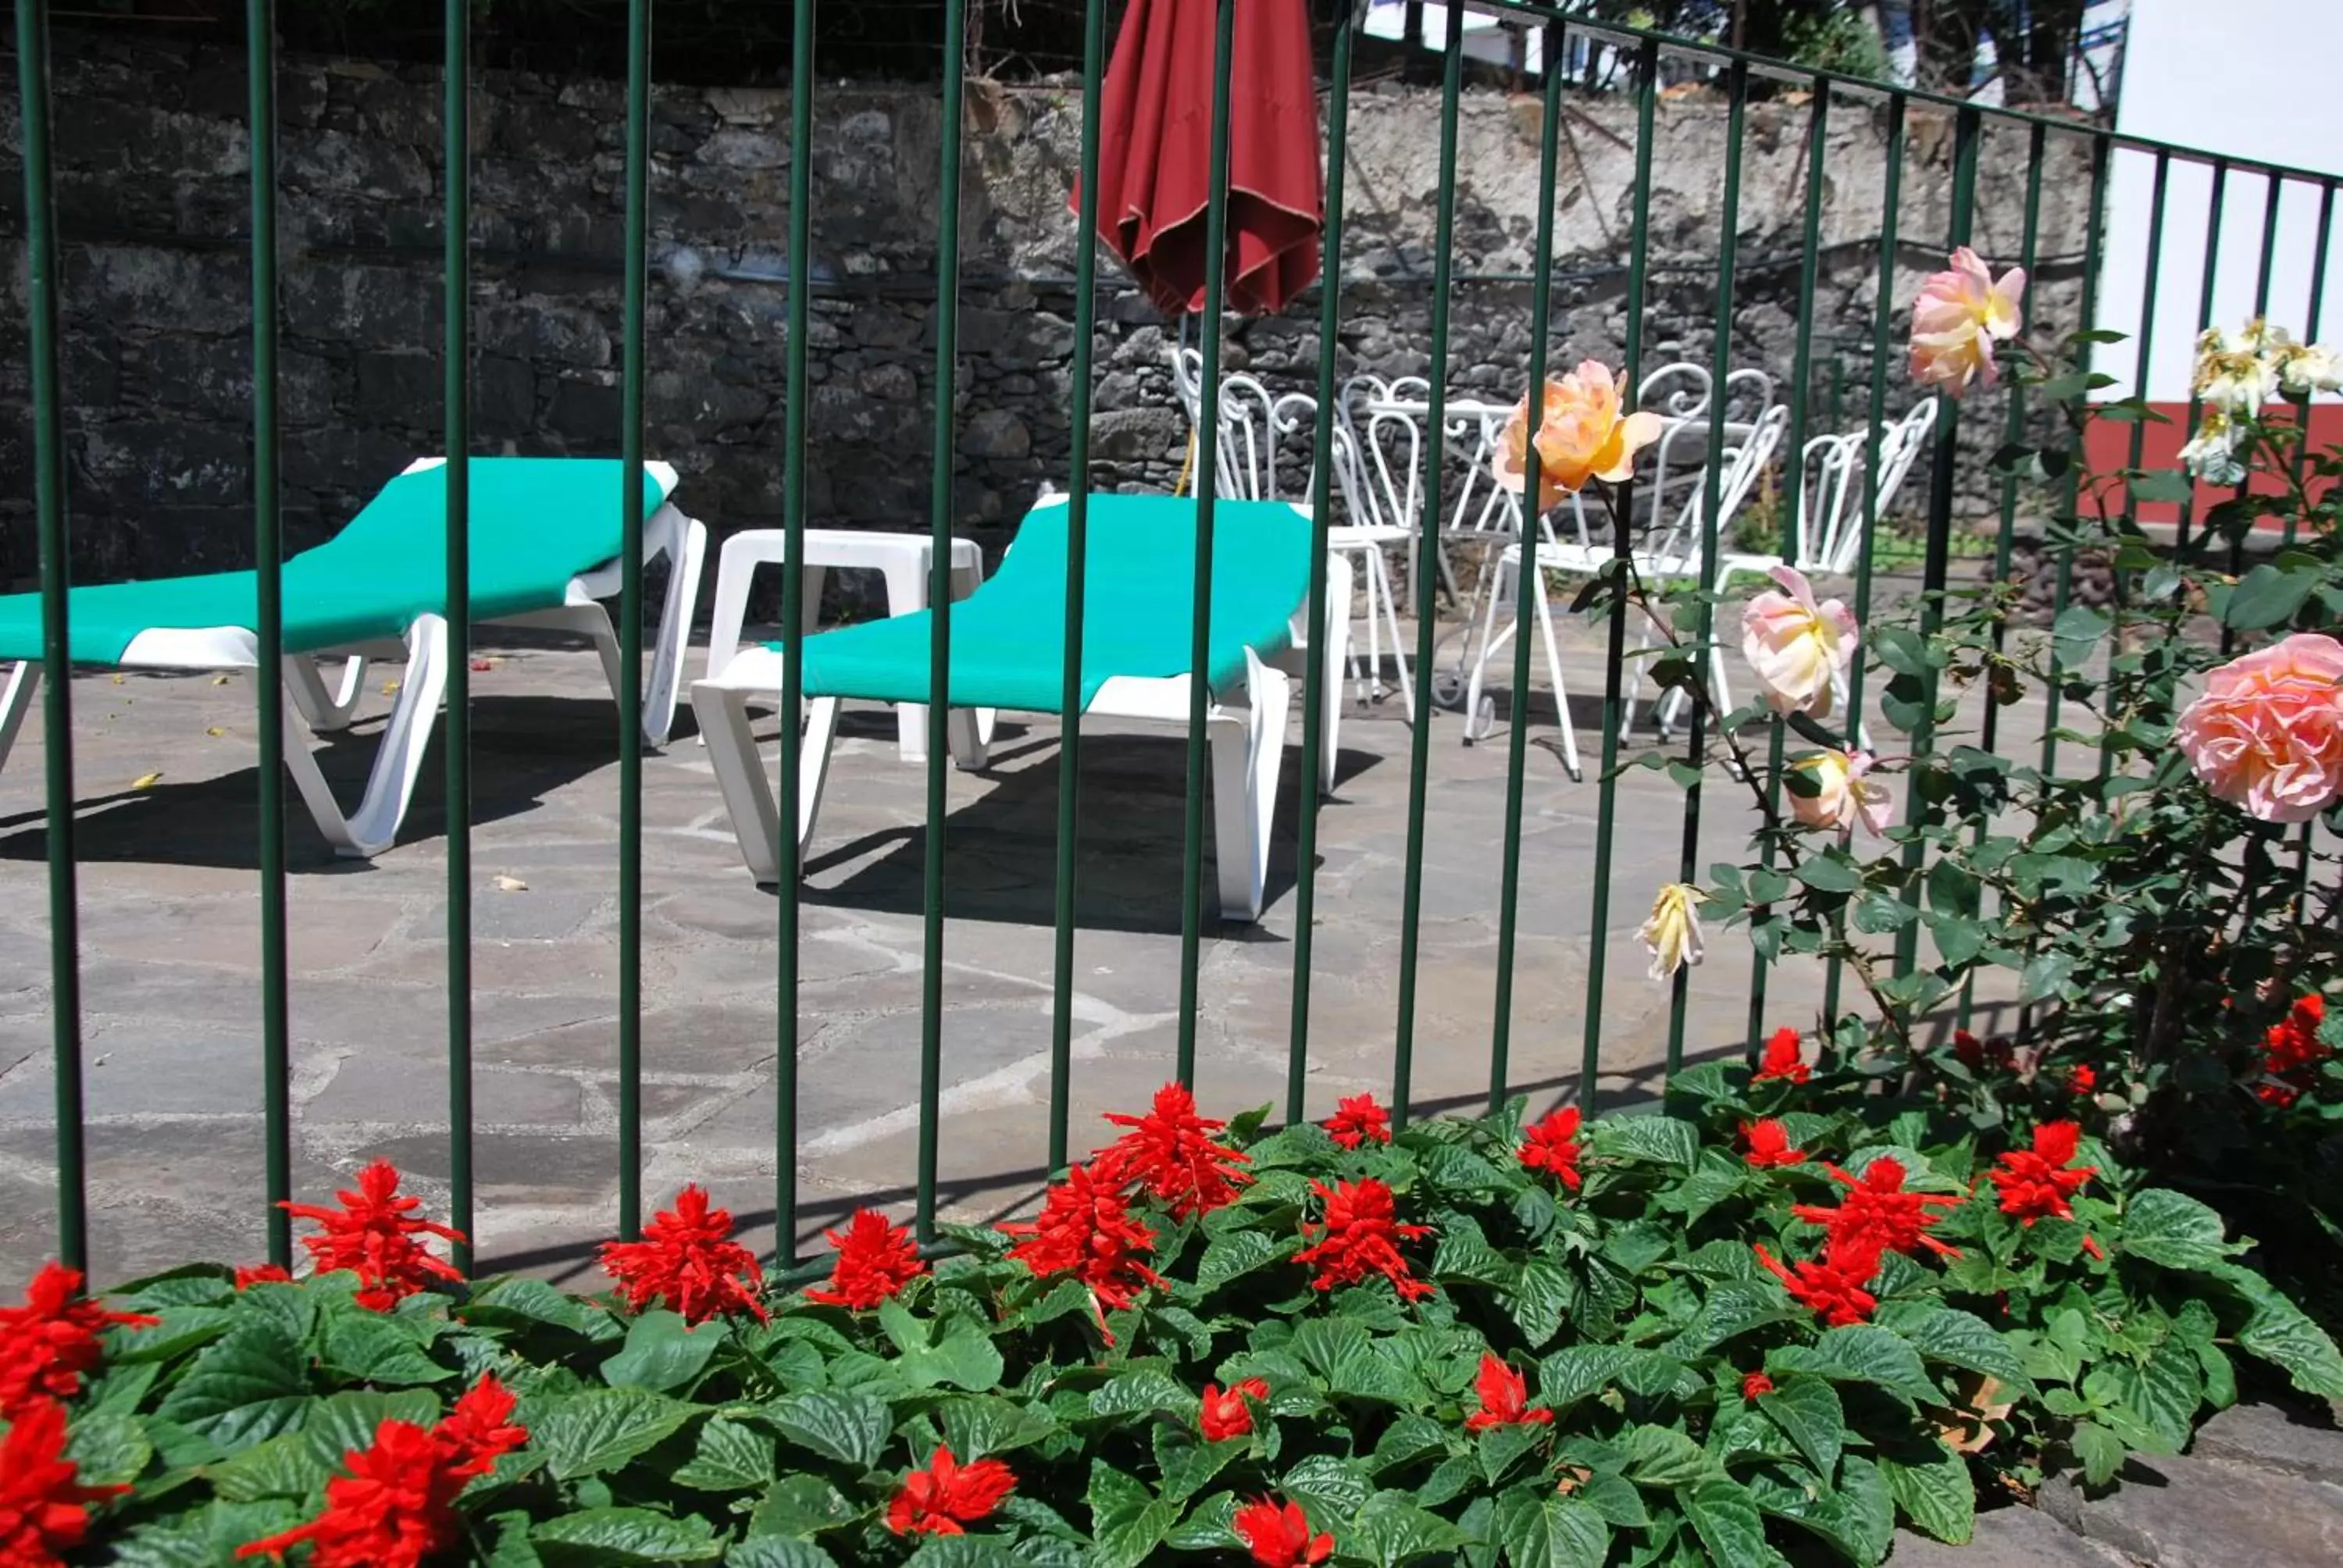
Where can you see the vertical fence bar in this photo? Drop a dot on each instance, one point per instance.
(2102, 152)
(2274, 193)
(1078, 522)
(1935, 562)
(1712, 478)
(940, 520)
(1208, 484)
(1875, 417)
(2014, 423)
(43, 282)
(2005, 535)
(2302, 843)
(2153, 266)
(1313, 695)
(630, 622)
(1794, 480)
(1509, 891)
(458, 421)
(1427, 572)
(795, 388)
(1606, 779)
(269, 629)
(2204, 319)
(2311, 335)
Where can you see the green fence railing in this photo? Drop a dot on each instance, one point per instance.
(1857, 375)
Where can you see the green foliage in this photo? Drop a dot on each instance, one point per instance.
(2154, 935)
(1633, 1307)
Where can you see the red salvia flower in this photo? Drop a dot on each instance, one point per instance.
(1833, 1287)
(1360, 1236)
(688, 1260)
(948, 1494)
(1983, 1056)
(1504, 1397)
(1223, 1414)
(1359, 1120)
(1769, 1143)
(481, 1428)
(1551, 1145)
(1171, 1151)
(253, 1274)
(1782, 1060)
(1878, 1213)
(1085, 1229)
(876, 1259)
(2034, 1184)
(1755, 1383)
(43, 1509)
(2290, 1049)
(372, 1235)
(1280, 1537)
(396, 1507)
(49, 1341)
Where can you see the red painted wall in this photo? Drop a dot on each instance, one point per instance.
(2106, 446)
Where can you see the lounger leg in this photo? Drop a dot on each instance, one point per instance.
(373, 827)
(1553, 673)
(723, 716)
(965, 580)
(684, 542)
(907, 591)
(305, 682)
(1248, 748)
(1337, 656)
(16, 695)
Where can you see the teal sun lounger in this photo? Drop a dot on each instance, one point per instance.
(546, 541)
(1008, 651)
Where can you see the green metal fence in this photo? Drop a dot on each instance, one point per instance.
(1861, 376)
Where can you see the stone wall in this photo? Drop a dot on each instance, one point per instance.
(152, 180)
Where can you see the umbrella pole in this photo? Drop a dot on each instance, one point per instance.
(1187, 460)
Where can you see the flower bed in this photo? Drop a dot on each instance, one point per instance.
(1782, 1315)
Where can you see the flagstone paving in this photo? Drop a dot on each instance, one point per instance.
(171, 983)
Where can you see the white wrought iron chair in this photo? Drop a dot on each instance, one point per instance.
(1265, 452)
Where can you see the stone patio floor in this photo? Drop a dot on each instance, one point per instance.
(169, 929)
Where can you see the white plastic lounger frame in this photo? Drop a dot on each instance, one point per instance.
(1246, 727)
(399, 760)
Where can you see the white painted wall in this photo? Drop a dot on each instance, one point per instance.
(2250, 78)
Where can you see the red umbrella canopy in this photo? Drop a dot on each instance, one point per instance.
(1155, 140)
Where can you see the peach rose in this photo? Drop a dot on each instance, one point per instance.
(1582, 435)
(1960, 315)
(1797, 648)
(1846, 799)
(2267, 735)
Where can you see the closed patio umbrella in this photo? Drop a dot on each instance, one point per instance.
(1155, 137)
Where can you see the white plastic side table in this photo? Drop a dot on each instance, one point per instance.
(901, 559)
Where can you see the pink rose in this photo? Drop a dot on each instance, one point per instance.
(1799, 650)
(2267, 735)
(1846, 799)
(1960, 315)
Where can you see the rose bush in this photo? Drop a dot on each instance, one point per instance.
(1782, 1314)
(2150, 898)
